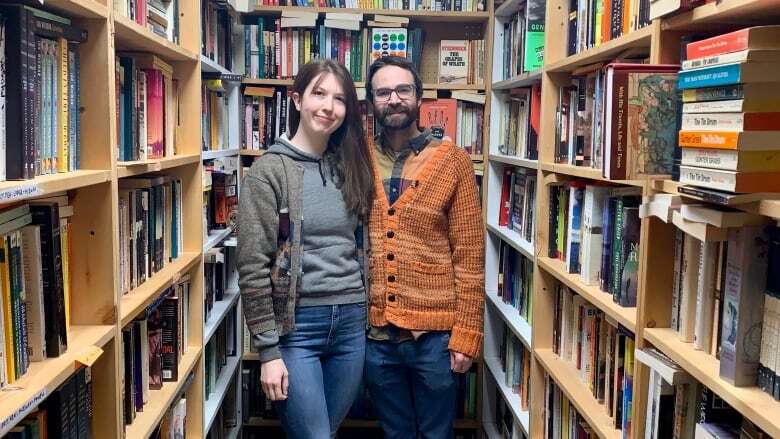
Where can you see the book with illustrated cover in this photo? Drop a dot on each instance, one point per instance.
(440, 116)
(453, 62)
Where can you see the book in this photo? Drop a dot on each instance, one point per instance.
(453, 62)
(727, 74)
(743, 141)
(731, 160)
(440, 116)
(730, 181)
(758, 37)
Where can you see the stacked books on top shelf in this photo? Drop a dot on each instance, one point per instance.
(601, 350)
(619, 118)
(519, 122)
(217, 36)
(458, 119)
(517, 205)
(152, 347)
(150, 227)
(406, 5)
(516, 281)
(729, 137)
(35, 243)
(522, 40)
(594, 229)
(593, 23)
(65, 413)
(679, 406)
(159, 16)
(40, 59)
(147, 107)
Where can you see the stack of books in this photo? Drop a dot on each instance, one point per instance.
(729, 134)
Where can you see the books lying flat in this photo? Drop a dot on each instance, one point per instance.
(758, 37)
(743, 141)
(732, 159)
(720, 217)
(731, 181)
(728, 74)
(771, 102)
(733, 57)
(750, 92)
(731, 121)
(725, 198)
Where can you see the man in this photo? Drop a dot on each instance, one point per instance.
(426, 262)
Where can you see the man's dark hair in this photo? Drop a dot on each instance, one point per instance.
(397, 61)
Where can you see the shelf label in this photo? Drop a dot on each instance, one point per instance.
(89, 355)
(8, 423)
(20, 191)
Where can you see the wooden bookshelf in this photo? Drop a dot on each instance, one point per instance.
(130, 36)
(637, 39)
(130, 169)
(421, 15)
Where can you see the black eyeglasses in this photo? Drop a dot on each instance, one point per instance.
(403, 91)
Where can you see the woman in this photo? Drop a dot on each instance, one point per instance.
(303, 287)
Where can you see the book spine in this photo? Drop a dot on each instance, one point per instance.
(170, 346)
(730, 42)
(610, 205)
(705, 296)
(714, 122)
(619, 127)
(709, 139)
(727, 92)
(713, 179)
(715, 60)
(710, 76)
(679, 243)
(47, 217)
(60, 160)
(617, 244)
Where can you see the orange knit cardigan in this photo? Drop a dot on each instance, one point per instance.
(427, 254)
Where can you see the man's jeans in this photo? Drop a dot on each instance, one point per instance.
(324, 356)
(412, 387)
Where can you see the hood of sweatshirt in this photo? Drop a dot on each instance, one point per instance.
(283, 146)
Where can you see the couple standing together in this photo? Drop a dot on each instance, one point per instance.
(362, 261)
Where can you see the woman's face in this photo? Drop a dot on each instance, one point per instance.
(323, 105)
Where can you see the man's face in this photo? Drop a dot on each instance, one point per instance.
(398, 110)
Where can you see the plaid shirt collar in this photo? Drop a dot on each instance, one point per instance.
(415, 144)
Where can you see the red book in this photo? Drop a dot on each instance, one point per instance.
(504, 207)
(759, 37)
(441, 116)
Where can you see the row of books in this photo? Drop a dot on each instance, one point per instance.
(34, 284)
(227, 415)
(40, 129)
(728, 133)
(215, 112)
(216, 40)
(150, 227)
(152, 346)
(523, 40)
(595, 231)
(66, 412)
(680, 407)
(147, 107)
(220, 198)
(595, 22)
(215, 277)
(516, 281)
(619, 118)
(600, 349)
(406, 5)
(516, 364)
(561, 418)
(264, 116)
(159, 16)
(223, 344)
(519, 122)
(174, 422)
(505, 421)
(518, 201)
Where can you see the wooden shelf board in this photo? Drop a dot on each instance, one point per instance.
(426, 15)
(426, 86)
(512, 399)
(604, 52)
(567, 378)
(78, 8)
(767, 207)
(522, 80)
(129, 169)
(132, 303)
(267, 82)
(252, 152)
(356, 423)
(209, 155)
(514, 161)
(512, 238)
(214, 401)
(512, 317)
(587, 172)
(591, 293)
(753, 403)
(160, 400)
(209, 65)
(727, 12)
(17, 190)
(508, 8)
(215, 237)
(130, 36)
(43, 377)
(218, 313)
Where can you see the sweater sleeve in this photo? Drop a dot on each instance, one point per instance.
(257, 233)
(467, 242)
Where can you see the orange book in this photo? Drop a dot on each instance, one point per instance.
(743, 141)
(440, 115)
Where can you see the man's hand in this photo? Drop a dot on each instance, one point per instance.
(273, 378)
(460, 363)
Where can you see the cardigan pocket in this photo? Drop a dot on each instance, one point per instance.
(434, 276)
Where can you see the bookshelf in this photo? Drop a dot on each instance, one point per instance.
(649, 321)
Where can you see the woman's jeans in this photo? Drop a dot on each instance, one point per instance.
(324, 358)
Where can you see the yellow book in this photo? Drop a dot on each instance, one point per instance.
(65, 250)
(214, 121)
(60, 161)
(307, 46)
(7, 313)
(564, 416)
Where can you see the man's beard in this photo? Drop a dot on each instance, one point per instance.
(384, 117)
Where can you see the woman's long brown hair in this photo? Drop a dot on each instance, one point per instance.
(347, 150)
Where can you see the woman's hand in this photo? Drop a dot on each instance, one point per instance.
(273, 377)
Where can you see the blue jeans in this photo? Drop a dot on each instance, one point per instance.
(324, 356)
(412, 387)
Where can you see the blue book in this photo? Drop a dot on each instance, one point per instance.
(574, 233)
(727, 74)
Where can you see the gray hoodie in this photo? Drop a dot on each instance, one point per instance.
(331, 272)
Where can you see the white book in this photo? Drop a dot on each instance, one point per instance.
(297, 22)
(731, 58)
(592, 237)
(713, 121)
(342, 24)
(689, 286)
(254, 52)
(144, 360)
(705, 296)
(577, 302)
(358, 17)
(731, 159)
(730, 106)
(679, 242)
(719, 217)
(33, 282)
(295, 37)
